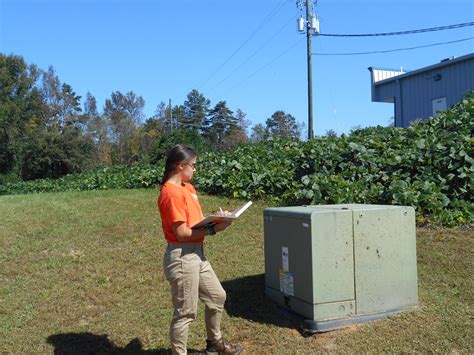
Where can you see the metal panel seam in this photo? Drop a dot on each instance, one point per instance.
(311, 221)
(353, 262)
(294, 297)
(334, 302)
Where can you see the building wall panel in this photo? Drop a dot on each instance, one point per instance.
(413, 94)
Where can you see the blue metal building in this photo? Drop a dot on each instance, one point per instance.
(419, 94)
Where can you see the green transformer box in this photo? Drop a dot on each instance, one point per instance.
(338, 265)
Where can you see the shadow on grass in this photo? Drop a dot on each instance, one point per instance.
(246, 299)
(88, 343)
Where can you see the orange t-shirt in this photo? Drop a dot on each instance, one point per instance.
(178, 204)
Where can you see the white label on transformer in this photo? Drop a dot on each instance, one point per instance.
(306, 225)
(284, 258)
(286, 283)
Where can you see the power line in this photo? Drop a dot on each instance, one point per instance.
(186, 110)
(231, 126)
(263, 23)
(336, 54)
(396, 50)
(195, 111)
(179, 117)
(268, 64)
(254, 54)
(432, 29)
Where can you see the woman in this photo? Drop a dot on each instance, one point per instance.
(185, 266)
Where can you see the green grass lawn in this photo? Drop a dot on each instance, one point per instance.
(82, 272)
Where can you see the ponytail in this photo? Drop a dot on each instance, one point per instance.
(179, 153)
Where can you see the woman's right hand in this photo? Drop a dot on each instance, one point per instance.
(219, 227)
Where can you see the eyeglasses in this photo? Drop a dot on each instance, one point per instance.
(192, 165)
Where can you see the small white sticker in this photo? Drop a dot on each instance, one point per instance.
(284, 258)
(286, 283)
(306, 225)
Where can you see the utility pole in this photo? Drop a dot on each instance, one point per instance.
(171, 117)
(309, 23)
(310, 73)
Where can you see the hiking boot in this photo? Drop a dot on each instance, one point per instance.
(221, 347)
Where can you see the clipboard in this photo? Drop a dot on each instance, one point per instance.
(216, 218)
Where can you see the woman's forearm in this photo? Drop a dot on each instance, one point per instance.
(186, 234)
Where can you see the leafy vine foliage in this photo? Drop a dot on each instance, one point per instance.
(428, 165)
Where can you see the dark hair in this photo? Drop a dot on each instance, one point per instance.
(179, 153)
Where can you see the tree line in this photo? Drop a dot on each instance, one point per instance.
(45, 132)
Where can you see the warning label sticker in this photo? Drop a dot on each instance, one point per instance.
(284, 259)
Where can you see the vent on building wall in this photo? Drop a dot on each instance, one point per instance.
(447, 59)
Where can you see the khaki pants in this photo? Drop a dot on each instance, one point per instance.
(191, 278)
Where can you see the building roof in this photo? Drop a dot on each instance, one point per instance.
(443, 63)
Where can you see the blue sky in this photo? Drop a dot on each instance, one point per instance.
(163, 49)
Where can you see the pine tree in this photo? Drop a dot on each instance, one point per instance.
(283, 125)
(178, 117)
(195, 110)
(219, 124)
(259, 133)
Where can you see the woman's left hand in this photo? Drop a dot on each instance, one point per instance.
(223, 213)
